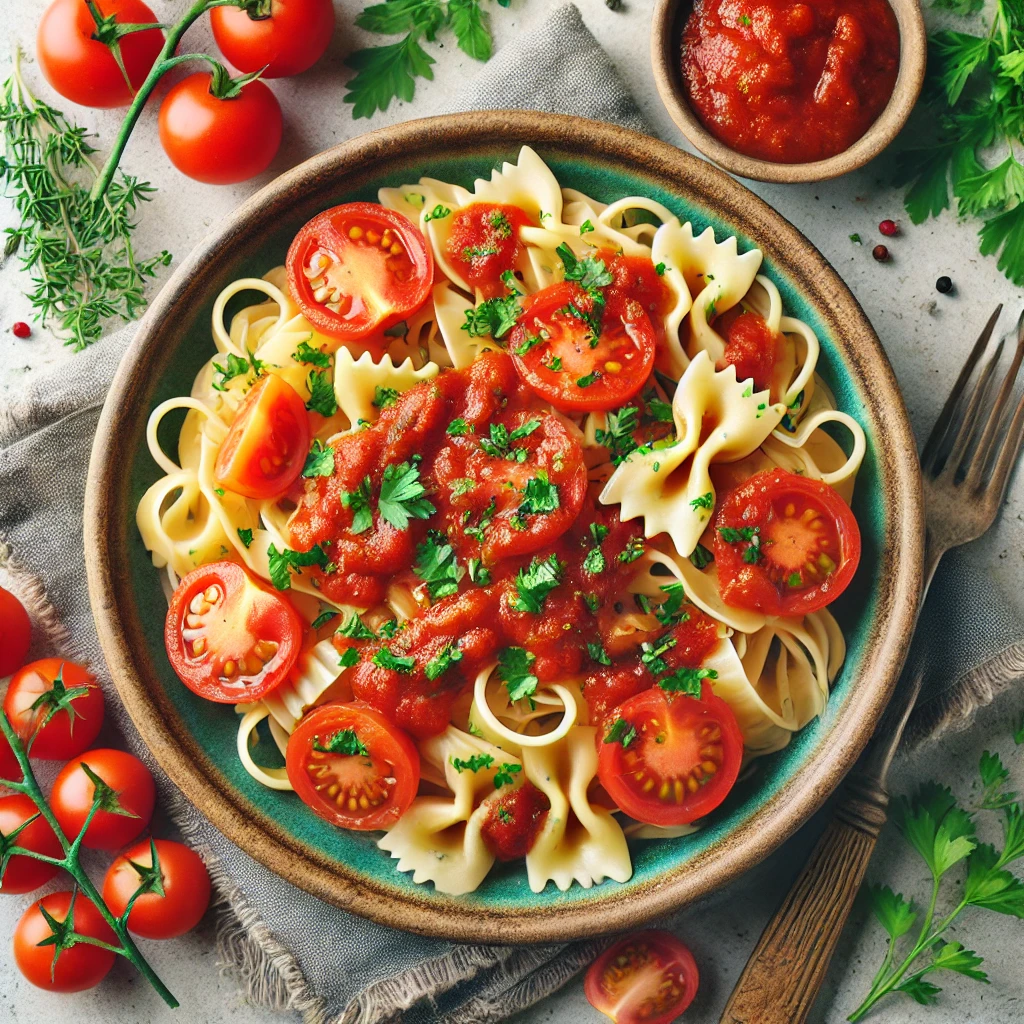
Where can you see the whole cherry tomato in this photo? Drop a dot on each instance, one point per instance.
(15, 633)
(217, 132)
(284, 37)
(23, 874)
(82, 68)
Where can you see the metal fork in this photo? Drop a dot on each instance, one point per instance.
(966, 466)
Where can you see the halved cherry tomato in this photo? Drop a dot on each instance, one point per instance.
(183, 879)
(750, 346)
(42, 696)
(689, 749)
(266, 447)
(514, 820)
(784, 544)
(73, 792)
(80, 67)
(512, 490)
(359, 268)
(283, 37)
(648, 977)
(484, 244)
(229, 638)
(15, 633)
(23, 874)
(557, 355)
(352, 767)
(77, 968)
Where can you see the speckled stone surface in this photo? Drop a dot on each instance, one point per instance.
(925, 334)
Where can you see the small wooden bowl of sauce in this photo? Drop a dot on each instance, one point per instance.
(789, 90)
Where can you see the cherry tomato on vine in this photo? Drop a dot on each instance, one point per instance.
(183, 879)
(78, 967)
(359, 268)
(15, 633)
(784, 544)
(352, 766)
(559, 355)
(284, 37)
(133, 788)
(675, 759)
(83, 69)
(23, 874)
(218, 131)
(648, 977)
(62, 701)
(266, 447)
(229, 638)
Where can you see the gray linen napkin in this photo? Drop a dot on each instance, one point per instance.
(293, 950)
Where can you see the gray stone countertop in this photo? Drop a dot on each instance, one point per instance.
(925, 334)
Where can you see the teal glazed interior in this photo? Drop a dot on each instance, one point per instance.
(215, 726)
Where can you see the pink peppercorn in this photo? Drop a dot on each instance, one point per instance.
(888, 228)
(21, 329)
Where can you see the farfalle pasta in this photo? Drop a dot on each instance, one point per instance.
(508, 517)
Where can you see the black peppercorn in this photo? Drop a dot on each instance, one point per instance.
(944, 285)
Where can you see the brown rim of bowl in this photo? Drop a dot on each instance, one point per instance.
(666, 27)
(108, 517)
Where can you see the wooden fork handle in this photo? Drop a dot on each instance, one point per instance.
(789, 963)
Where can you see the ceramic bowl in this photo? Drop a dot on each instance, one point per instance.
(194, 741)
(666, 28)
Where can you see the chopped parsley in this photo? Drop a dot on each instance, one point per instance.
(514, 670)
(749, 535)
(651, 655)
(540, 496)
(320, 460)
(344, 742)
(591, 274)
(657, 410)
(617, 437)
(281, 563)
(494, 317)
(442, 661)
(439, 212)
(669, 612)
(705, 501)
(437, 566)
(245, 536)
(322, 619)
(529, 341)
(595, 563)
(472, 253)
(503, 776)
(478, 572)
(586, 227)
(621, 732)
(634, 549)
(459, 428)
(477, 532)
(472, 764)
(385, 659)
(499, 444)
(384, 398)
(500, 223)
(402, 495)
(463, 485)
(643, 602)
(788, 421)
(593, 602)
(359, 502)
(659, 269)
(554, 364)
(354, 628)
(598, 654)
(321, 394)
(349, 657)
(235, 366)
(856, 239)
(795, 580)
(687, 680)
(701, 557)
(535, 583)
(587, 379)
(305, 353)
(504, 814)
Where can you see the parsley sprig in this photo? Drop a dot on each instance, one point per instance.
(971, 120)
(384, 73)
(402, 498)
(944, 835)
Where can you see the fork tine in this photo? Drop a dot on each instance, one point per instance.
(988, 437)
(1007, 456)
(975, 405)
(945, 419)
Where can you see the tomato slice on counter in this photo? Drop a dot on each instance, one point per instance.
(359, 268)
(558, 356)
(229, 638)
(648, 977)
(484, 244)
(784, 544)
(681, 760)
(352, 767)
(59, 703)
(266, 447)
(513, 489)
(750, 346)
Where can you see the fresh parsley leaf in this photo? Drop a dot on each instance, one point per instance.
(659, 269)
(344, 742)
(235, 366)
(383, 398)
(993, 777)
(514, 670)
(320, 460)
(617, 436)
(669, 612)
(499, 444)
(621, 732)
(459, 428)
(535, 583)
(281, 563)
(705, 501)
(442, 661)
(305, 353)
(493, 317)
(396, 663)
(687, 680)
(597, 653)
(931, 822)
(990, 886)
(1018, 733)
(359, 502)
(590, 272)
(540, 496)
(356, 629)
(245, 536)
(384, 73)
(349, 657)
(472, 764)
(321, 394)
(529, 341)
(437, 566)
(658, 411)
(894, 913)
(587, 379)
(651, 655)
(701, 557)
(402, 495)
(1006, 232)
(593, 602)
(503, 776)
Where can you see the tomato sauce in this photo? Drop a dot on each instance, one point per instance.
(484, 244)
(790, 82)
(514, 821)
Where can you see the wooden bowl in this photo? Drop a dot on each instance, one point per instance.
(666, 28)
(194, 740)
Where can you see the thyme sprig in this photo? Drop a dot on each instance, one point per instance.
(63, 934)
(78, 250)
